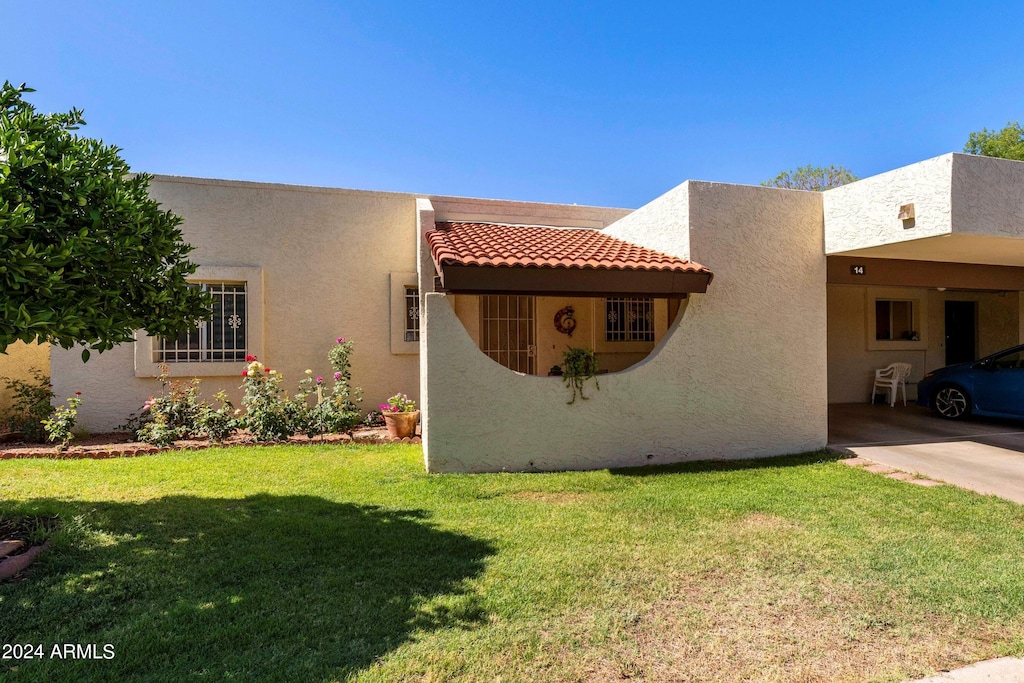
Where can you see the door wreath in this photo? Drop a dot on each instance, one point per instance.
(564, 320)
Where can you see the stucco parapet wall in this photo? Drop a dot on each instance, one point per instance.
(866, 213)
(988, 196)
(448, 207)
(953, 195)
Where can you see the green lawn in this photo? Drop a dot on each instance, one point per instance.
(323, 563)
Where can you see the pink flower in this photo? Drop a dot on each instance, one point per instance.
(319, 380)
(340, 340)
(245, 373)
(249, 359)
(266, 369)
(337, 375)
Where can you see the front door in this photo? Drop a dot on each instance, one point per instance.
(507, 330)
(960, 332)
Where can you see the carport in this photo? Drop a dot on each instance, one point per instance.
(925, 265)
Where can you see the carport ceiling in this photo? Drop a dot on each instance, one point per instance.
(955, 248)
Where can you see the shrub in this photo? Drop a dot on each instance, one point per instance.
(267, 417)
(334, 410)
(31, 405)
(174, 414)
(218, 423)
(60, 427)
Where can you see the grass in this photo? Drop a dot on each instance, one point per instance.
(323, 563)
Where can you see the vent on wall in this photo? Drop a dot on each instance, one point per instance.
(907, 215)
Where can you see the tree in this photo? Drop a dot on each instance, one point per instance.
(814, 178)
(86, 256)
(1007, 143)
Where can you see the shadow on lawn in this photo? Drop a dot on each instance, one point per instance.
(261, 588)
(697, 466)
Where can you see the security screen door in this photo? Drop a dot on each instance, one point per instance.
(508, 329)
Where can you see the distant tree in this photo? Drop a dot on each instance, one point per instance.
(813, 178)
(86, 257)
(1007, 143)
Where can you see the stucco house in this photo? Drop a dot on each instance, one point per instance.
(728, 317)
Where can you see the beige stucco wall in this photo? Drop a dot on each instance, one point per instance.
(741, 374)
(988, 196)
(325, 257)
(17, 363)
(969, 209)
(853, 358)
(866, 213)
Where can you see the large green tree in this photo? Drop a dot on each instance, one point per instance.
(1007, 143)
(813, 178)
(86, 256)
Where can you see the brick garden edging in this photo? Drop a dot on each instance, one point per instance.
(133, 449)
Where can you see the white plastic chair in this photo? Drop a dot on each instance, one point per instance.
(891, 379)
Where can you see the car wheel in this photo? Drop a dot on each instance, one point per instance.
(952, 402)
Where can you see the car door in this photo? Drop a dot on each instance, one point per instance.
(999, 384)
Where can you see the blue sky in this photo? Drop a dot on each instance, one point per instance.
(592, 103)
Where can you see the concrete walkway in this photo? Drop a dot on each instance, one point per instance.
(1003, 670)
(980, 455)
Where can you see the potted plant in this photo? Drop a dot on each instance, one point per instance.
(400, 416)
(579, 365)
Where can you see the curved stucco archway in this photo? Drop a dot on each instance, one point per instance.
(742, 374)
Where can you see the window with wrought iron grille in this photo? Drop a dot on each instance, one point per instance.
(221, 339)
(629, 320)
(412, 314)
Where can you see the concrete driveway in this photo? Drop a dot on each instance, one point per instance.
(986, 456)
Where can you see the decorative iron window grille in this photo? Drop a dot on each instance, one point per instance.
(629, 319)
(221, 339)
(507, 331)
(412, 314)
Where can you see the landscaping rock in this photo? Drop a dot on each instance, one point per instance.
(8, 547)
(18, 563)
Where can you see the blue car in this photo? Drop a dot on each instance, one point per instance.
(991, 387)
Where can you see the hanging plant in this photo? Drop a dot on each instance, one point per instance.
(579, 365)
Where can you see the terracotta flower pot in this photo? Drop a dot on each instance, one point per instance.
(401, 425)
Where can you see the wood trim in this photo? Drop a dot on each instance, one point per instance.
(906, 273)
(460, 279)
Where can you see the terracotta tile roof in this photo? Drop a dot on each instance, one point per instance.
(523, 246)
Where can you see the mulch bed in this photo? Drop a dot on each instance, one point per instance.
(121, 445)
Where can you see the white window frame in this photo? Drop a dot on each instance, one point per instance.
(399, 313)
(147, 347)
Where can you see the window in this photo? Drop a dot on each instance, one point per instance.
(412, 314)
(404, 313)
(221, 339)
(894, 320)
(629, 320)
(1006, 361)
